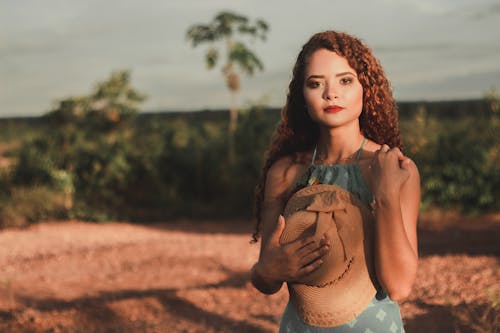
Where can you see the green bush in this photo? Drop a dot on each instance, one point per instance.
(35, 163)
(175, 165)
(26, 205)
(458, 160)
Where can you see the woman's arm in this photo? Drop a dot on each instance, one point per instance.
(397, 195)
(262, 278)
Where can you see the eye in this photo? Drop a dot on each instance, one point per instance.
(346, 80)
(313, 84)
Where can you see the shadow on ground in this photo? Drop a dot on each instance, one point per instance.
(481, 318)
(95, 314)
(238, 227)
(473, 236)
(437, 236)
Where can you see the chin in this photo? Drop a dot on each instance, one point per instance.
(334, 123)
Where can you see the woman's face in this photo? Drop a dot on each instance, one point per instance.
(332, 91)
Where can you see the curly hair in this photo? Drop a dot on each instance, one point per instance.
(296, 133)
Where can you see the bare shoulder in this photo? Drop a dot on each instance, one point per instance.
(282, 176)
(412, 168)
(414, 175)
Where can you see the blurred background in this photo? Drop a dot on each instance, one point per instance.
(159, 111)
(118, 110)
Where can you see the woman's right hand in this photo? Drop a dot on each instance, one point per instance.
(289, 262)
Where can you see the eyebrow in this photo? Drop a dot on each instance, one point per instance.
(336, 75)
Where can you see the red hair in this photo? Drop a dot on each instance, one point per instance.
(297, 133)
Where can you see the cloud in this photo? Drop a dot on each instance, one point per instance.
(414, 47)
(56, 48)
(458, 86)
(489, 11)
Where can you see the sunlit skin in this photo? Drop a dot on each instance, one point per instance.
(331, 82)
(334, 100)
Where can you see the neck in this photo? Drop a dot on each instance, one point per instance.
(339, 144)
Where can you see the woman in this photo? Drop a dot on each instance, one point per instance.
(340, 118)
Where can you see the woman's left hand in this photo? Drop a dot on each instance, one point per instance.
(389, 169)
(396, 188)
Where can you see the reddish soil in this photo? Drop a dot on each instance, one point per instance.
(193, 277)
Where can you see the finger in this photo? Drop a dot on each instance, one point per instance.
(302, 242)
(384, 148)
(404, 162)
(314, 255)
(280, 226)
(308, 248)
(401, 157)
(311, 267)
(312, 247)
(324, 239)
(398, 152)
(395, 154)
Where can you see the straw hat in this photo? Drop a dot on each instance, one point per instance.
(344, 284)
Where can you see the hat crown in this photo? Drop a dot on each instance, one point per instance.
(338, 290)
(325, 212)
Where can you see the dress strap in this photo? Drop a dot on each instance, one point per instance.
(314, 155)
(358, 155)
(360, 149)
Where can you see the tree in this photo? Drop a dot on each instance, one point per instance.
(224, 27)
(89, 143)
(493, 99)
(111, 104)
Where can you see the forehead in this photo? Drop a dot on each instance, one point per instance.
(324, 62)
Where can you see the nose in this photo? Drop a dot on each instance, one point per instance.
(330, 92)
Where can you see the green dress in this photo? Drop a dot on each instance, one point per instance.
(382, 315)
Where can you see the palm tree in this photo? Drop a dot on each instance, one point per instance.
(223, 28)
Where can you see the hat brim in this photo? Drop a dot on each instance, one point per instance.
(345, 283)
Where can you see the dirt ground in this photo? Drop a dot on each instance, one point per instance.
(193, 277)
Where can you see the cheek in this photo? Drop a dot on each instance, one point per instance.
(312, 98)
(310, 105)
(357, 99)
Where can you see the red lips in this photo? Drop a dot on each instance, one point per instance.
(333, 109)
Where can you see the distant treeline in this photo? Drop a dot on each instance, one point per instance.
(441, 109)
(166, 165)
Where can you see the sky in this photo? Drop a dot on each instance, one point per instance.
(54, 49)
